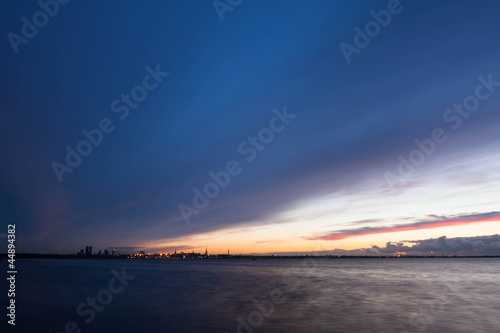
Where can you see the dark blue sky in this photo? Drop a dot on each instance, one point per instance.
(225, 78)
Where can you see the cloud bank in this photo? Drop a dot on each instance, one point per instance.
(435, 222)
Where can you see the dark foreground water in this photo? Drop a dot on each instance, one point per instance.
(348, 295)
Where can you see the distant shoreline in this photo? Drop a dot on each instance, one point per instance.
(225, 257)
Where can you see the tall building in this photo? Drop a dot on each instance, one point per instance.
(88, 250)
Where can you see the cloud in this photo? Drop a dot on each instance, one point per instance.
(481, 245)
(462, 246)
(424, 224)
(367, 221)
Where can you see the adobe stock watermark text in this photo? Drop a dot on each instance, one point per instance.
(94, 137)
(455, 117)
(249, 149)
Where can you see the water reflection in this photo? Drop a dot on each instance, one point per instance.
(363, 295)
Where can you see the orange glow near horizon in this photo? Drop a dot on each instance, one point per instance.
(253, 244)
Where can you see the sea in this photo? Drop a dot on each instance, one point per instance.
(309, 295)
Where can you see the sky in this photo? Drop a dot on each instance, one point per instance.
(254, 126)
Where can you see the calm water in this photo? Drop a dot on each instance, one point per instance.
(363, 295)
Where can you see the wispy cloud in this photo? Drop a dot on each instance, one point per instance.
(367, 221)
(423, 224)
